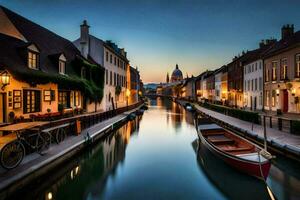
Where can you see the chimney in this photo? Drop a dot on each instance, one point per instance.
(262, 44)
(84, 38)
(287, 31)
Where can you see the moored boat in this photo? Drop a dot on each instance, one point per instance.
(233, 149)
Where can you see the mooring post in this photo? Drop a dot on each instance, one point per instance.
(265, 133)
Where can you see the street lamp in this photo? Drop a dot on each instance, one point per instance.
(277, 92)
(5, 79)
(127, 97)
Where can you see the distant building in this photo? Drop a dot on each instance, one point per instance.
(176, 75)
(221, 84)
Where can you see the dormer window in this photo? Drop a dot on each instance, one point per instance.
(32, 60)
(33, 57)
(62, 64)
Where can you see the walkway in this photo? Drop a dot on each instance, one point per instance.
(34, 165)
(272, 134)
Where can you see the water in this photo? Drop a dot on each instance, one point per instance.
(158, 156)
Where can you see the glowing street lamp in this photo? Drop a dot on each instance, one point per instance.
(5, 79)
(277, 92)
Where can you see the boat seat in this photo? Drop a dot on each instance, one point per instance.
(220, 139)
(238, 149)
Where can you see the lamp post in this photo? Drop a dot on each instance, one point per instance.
(5, 79)
(127, 97)
(293, 91)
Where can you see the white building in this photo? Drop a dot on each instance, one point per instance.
(253, 85)
(115, 62)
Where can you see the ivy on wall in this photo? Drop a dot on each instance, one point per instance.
(91, 86)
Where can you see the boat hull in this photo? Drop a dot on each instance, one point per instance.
(255, 169)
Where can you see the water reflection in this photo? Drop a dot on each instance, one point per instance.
(233, 184)
(152, 157)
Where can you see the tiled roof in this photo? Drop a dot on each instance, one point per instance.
(49, 44)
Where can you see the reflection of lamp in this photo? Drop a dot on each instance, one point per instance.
(277, 92)
(5, 79)
(294, 91)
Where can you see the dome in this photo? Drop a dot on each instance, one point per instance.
(176, 75)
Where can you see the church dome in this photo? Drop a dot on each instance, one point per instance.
(176, 75)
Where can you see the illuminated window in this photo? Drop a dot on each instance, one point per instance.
(62, 67)
(64, 98)
(33, 60)
(274, 67)
(283, 69)
(273, 98)
(267, 75)
(297, 71)
(77, 99)
(31, 101)
(267, 98)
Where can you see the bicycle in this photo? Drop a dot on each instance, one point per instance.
(12, 153)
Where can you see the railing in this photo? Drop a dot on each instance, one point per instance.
(283, 124)
(90, 119)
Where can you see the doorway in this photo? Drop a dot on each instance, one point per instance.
(3, 108)
(285, 102)
(255, 103)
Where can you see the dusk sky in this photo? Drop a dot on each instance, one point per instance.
(198, 35)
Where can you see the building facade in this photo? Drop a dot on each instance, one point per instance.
(42, 72)
(221, 84)
(115, 62)
(282, 73)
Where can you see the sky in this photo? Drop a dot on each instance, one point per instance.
(157, 35)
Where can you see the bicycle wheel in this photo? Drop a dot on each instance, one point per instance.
(12, 154)
(60, 135)
(43, 141)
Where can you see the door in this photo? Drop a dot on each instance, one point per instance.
(2, 107)
(251, 103)
(255, 103)
(285, 102)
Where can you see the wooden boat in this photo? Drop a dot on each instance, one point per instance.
(233, 149)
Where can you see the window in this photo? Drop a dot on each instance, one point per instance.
(31, 101)
(77, 98)
(274, 67)
(267, 75)
(110, 58)
(62, 67)
(248, 85)
(106, 56)
(64, 98)
(283, 69)
(245, 86)
(297, 71)
(260, 99)
(259, 65)
(115, 60)
(260, 83)
(252, 88)
(110, 78)
(255, 84)
(106, 76)
(118, 62)
(267, 98)
(255, 66)
(33, 60)
(273, 98)
(115, 79)
(118, 81)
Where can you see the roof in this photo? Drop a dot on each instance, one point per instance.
(283, 45)
(48, 43)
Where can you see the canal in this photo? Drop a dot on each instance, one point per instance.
(158, 156)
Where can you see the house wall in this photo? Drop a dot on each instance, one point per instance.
(272, 101)
(253, 85)
(109, 89)
(218, 86)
